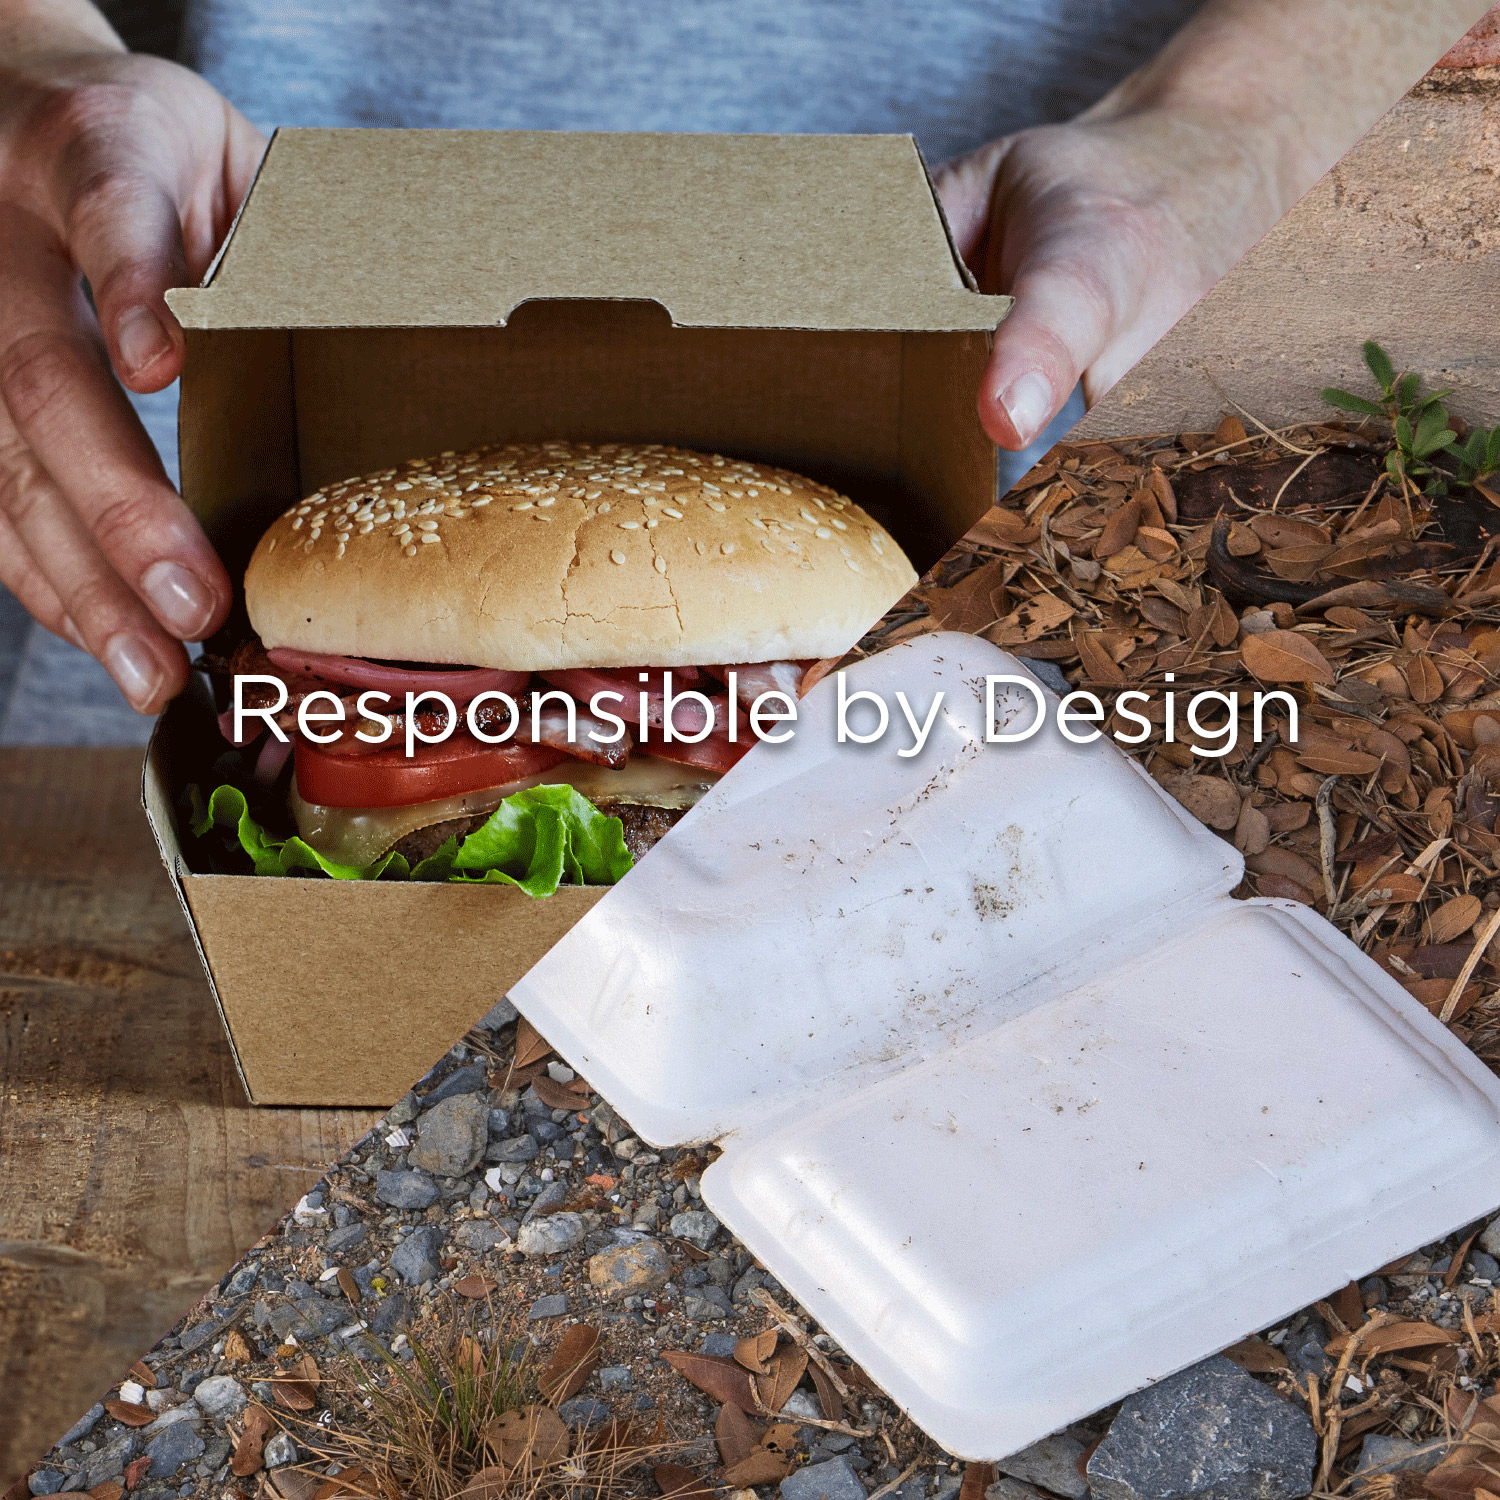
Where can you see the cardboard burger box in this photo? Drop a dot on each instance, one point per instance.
(386, 295)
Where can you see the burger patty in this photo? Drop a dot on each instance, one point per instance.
(645, 826)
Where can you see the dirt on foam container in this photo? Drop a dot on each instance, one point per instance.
(1022, 1106)
(386, 295)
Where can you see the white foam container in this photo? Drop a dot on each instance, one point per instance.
(1012, 1095)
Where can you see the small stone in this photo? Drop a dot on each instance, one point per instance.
(1211, 1431)
(416, 1258)
(499, 1121)
(83, 1426)
(187, 1412)
(832, 1479)
(641, 1266)
(551, 1197)
(702, 1303)
(221, 1396)
(242, 1283)
(501, 1013)
(176, 1446)
(404, 1110)
(720, 1345)
(1006, 1488)
(203, 1333)
(518, 1148)
(110, 1460)
(1049, 674)
(1484, 1266)
(321, 1314)
(279, 1451)
(584, 1411)
(345, 1239)
(1386, 1455)
(46, 1481)
(472, 1079)
(553, 1306)
(1305, 1351)
(1051, 1463)
(480, 1235)
(698, 1227)
(408, 1190)
(308, 1214)
(614, 1378)
(550, 1235)
(1489, 1241)
(451, 1135)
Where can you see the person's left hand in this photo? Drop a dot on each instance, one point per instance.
(1105, 231)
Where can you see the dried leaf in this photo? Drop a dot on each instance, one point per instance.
(1119, 531)
(1098, 665)
(347, 1284)
(531, 1437)
(130, 1413)
(109, 1490)
(531, 1046)
(576, 1357)
(1394, 1336)
(720, 1378)
(1453, 918)
(734, 1435)
(557, 1095)
(760, 1467)
(829, 1399)
(787, 1370)
(755, 1349)
(1209, 799)
(494, 1482)
(143, 1374)
(247, 1451)
(1284, 656)
(1257, 1356)
(236, 1350)
(135, 1470)
(677, 1483)
(294, 1484)
(1423, 681)
(475, 1286)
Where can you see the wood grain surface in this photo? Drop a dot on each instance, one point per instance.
(133, 1172)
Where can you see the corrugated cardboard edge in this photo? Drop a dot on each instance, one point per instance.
(156, 803)
(239, 213)
(968, 277)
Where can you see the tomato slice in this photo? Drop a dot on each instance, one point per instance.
(712, 754)
(387, 778)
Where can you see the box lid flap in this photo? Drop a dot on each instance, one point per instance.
(375, 228)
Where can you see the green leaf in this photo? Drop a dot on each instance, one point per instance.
(1348, 401)
(1406, 391)
(1405, 438)
(227, 808)
(1492, 449)
(1380, 365)
(439, 864)
(1393, 464)
(536, 836)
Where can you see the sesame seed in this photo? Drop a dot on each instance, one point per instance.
(403, 485)
(842, 525)
(854, 566)
(297, 523)
(617, 556)
(365, 527)
(409, 551)
(547, 500)
(875, 543)
(652, 524)
(381, 517)
(479, 500)
(427, 525)
(315, 533)
(629, 525)
(660, 564)
(667, 510)
(717, 505)
(765, 542)
(524, 505)
(701, 549)
(807, 516)
(726, 548)
(431, 536)
(756, 521)
(271, 545)
(822, 533)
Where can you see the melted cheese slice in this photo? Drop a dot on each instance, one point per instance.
(358, 835)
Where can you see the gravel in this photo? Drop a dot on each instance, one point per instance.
(698, 1227)
(551, 1235)
(417, 1258)
(640, 1266)
(176, 1446)
(280, 1451)
(553, 1306)
(452, 1135)
(1051, 1463)
(220, 1396)
(414, 1190)
(831, 1480)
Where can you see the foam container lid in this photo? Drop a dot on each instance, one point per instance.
(1012, 1095)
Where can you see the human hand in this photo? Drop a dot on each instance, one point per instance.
(126, 170)
(1105, 231)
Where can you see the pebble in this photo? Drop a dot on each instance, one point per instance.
(221, 1396)
(173, 1448)
(704, 1302)
(452, 1135)
(1484, 1266)
(196, 1338)
(83, 1426)
(832, 1479)
(552, 1306)
(584, 1411)
(1386, 1455)
(698, 1227)
(516, 1148)
(550, 1235)
(471, 1079)
(416, 1258)
(404, 1110)
(1211, 1430)
(1006, 1488)
(279, 1451)
(46, 1481)
(242, 1283)
(1051, 1463)
(406, 1189)
(480, 1235)
(1489, 1241)
(1048, 673)
(345, 1238)
(110, 1460)
(1305, 1352)
(641, 1266)
(173, 1416)
(501, 1013)
(614, 1378)
(721, 1346)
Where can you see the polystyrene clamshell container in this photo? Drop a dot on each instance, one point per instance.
(1012, 1095)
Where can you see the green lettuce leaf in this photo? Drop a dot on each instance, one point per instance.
(533, 840)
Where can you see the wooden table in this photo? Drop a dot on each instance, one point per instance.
(133, 1171)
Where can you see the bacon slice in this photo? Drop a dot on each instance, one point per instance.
(751, 679)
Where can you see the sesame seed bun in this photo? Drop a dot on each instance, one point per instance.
(544, 556)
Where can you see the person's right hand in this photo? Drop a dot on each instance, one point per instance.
(125, 170)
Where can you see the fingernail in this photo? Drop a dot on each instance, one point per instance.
(70, 630)
(130, 662)
(180, 597)
(141, 338)
(1028, 403)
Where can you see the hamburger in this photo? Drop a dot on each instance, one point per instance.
(523, 581)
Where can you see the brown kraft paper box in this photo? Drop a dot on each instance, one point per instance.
(386, 295)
